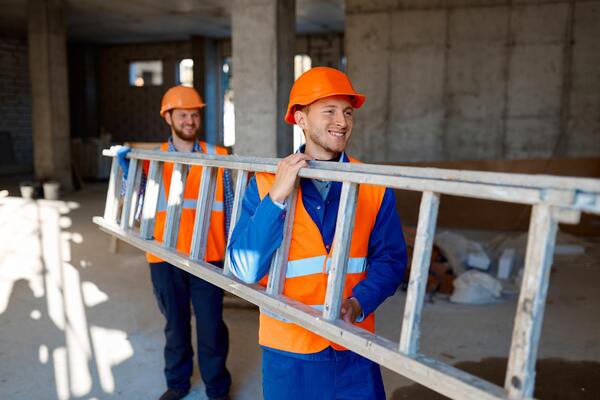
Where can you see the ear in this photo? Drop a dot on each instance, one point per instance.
(300, 117)
(168, 118)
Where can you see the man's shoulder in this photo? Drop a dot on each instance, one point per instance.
(209, 148)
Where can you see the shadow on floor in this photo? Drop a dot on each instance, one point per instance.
(556, 379)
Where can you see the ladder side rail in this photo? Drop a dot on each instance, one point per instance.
(204, 206)
(129, 201)
(532, 181)
(137, 189)
(151, 199)
(341, 249)
(241, 182)
(581, 193)
(419, 272)
(520, 374)
(174, 205)
(279, 262)
(111, 207)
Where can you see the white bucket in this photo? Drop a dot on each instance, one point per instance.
(51, 190)
(27, 191)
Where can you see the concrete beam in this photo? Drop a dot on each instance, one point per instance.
(263, 33)
(49, 89)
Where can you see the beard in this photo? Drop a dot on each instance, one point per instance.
(181, 134)
(332, 146)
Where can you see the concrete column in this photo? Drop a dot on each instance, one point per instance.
(206, 82)
(49, 90)
(263, 33)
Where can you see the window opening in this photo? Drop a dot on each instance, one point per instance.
(146, 73)
(185, 72)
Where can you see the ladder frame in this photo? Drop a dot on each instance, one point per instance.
(553, 200)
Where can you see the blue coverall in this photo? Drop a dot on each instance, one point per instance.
(329, 374)
(174, 289)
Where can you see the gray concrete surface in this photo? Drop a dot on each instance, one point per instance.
(464, 80)
(47, 41)
(78, 322)
(262, 39)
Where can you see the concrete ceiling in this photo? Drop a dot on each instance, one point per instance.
(121, 21)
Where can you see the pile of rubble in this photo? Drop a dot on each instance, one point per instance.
(483, 271)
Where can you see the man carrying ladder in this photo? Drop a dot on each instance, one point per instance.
(175, 288)
(296, 363)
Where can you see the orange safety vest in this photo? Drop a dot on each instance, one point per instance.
(215, 248)
(308, 267)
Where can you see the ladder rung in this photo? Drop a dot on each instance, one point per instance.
(241, 182)
(520, 373)
(111, 207)
(129, 203)
(174, 205)
(151, 199)
(280, 260)
(341, 248)
(206, 197)
(419, 272)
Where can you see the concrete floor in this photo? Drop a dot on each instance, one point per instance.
(78, 322)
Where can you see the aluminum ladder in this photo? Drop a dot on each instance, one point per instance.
(553, 200)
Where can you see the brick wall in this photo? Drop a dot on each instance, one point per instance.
(131, 113)
(15, 102)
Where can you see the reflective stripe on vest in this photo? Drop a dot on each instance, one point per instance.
(314, 265)
(187, 203)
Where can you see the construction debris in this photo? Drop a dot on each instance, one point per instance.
(476, 287)
(506, 262)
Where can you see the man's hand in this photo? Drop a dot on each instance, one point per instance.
(350, 310)
(287, 171)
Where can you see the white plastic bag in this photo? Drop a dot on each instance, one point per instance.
(475, 287)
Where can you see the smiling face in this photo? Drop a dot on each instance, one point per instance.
(184, 123)
(327, 125)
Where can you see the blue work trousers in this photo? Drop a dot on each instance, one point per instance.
(174, 290)
(343, 375)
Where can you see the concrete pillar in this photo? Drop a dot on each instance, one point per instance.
(49, 90)
(206, 82)
(263, 34)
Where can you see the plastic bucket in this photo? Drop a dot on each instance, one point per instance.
(51, 190)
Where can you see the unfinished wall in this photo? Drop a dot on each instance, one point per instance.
(16, 147)
(131, 113)
(325, 50)
(475, 79)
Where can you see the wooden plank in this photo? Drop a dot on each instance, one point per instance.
(174, 205)
(206, 197)
(129, 201)
(111, 207)
(438, 376)
(280, 259)
(520, 374)
(151, 199)
(419, 272)
(241, 183)
(341, 248)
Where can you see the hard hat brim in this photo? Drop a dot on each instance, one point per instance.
(356, 101)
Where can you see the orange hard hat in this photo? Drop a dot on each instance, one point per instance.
(180, 97)
(318, 83)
